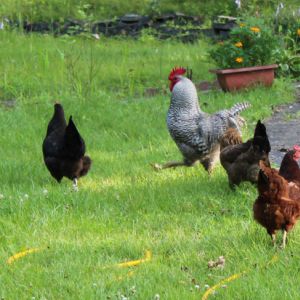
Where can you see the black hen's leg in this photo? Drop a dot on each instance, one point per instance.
(75, 184)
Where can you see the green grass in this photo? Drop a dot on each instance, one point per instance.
(43, 64)
(123, 207)
(36, 10)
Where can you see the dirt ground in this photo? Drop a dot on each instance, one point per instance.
(283, 129)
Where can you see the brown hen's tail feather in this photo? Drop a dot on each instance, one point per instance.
(239, 107)
(231, 137)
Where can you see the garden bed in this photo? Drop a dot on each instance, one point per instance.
(177, 25)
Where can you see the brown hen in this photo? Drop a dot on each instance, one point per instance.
(273, 208)
(289, 168)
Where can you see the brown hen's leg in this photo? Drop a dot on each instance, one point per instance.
(284, 239)
(273, 236)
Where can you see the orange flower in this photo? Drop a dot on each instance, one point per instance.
(298, 32)
(255, 29)
(239, 60)
(239, 44)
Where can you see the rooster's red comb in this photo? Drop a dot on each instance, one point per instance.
(177, 71)
(296, 148)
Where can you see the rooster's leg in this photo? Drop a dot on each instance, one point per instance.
(208, 165)
(284, 238)
(170, 164)
(75, 186)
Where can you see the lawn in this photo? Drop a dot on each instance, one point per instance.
(123, 207)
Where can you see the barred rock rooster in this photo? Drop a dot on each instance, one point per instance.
(64, 148)
(196, 133)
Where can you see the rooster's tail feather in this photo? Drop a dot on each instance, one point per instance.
(239, 107)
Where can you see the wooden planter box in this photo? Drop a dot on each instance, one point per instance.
(240, 78)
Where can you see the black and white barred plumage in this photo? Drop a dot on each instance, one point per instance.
(196, 133)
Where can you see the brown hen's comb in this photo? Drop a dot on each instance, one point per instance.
(177, 71)
(296, 148)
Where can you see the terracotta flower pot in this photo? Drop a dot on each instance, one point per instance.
(240, 78)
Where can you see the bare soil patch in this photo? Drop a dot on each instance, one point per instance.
(284, 129)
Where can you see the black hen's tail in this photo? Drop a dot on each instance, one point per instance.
(75, 146)
(260, 134)
(260, 129)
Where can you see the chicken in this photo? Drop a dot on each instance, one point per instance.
(231, 137)
(241, 161)
(64, 148)
(196, 133)
(289, 168)
(273, 209)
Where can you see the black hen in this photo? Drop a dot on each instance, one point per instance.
(241, 161)
(64, 148)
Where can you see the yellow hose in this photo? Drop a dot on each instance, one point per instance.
(233, 277)
(133, 263)
(19, 255)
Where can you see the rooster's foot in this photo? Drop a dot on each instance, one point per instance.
(156, 167)
(170, 164)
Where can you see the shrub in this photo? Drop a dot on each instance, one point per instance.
(251, 43)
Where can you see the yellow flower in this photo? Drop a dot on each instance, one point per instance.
(255, 29)
(242, 25)
(298, 32)
(239, 44)
(239, 60)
